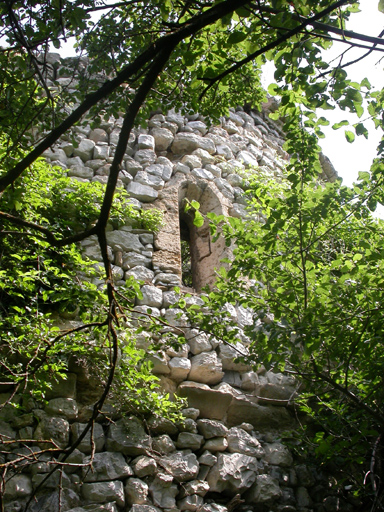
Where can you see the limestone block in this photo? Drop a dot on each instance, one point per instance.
(144, 466)
(179, 167)
(75, 458)
(176, 118)
(103, 492)
(204, 156)
(141, 192)
(106, 466)
(163, 491)
(181, 351)
(187, 440)
(180, 368)
(98, 135)
(84, 149)
(211, 428)
(163, 444)
(145, 141)
(114, 137)
(134, 259)
(152, 296)
(235, 180)
(19, 486)
(192, 161)
(256, 152)
(80, 172)
(225, 188)
(162, 426)
(192, 502)
(211, 403)
(163, 138)
(185, 143)
(53, 482)
(159, 363)
(206, 368)
(232, 378)
(225, 151)
(183, 467)
(86, 445)
(122, 239)
(202, 174)
(264, 490)
(167, 167)
(216, 444)
(101, 151)
(117, 273)
(187, 425)
(143, 508)
(58, 154)
(239, 441)
(261, 417)
(66, 407)
(213, 507)
(236, 118)
(66, 499)
(250, 381)
(228, 354)
(140, 273)
(231, 127)
(214, 169)
(128, 437)
(190, 413)
(207, 459)
(233, 473)
(278, 454)
(145, 156)
(53, 428)
(175, 316)
(136, 491)
(132, 166)
(149, 180)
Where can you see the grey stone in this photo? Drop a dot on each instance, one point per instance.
(145, 141)
(187, 440)
(86, 444)
(19, 486)
(193, 502)
(106, 466)
(66, 499)
(136, 491)
(187, 142)
(140, 273)
(159, 362)
(192, 161)
(128, 437)
(141, 192)
(232, 473)
(188, 425)
(213, 507)
(143, 508)
(103, 492)
(159, 426)
(163, 491)
(206, 368)
(202, 174)
(265, 489)
(261, 417)
(278, 454)
(101, 152)
(180, 368)
(98, 135)
(53, 429)
(208, 459)
(181, 467)
(212, 404)
(152, 296)
(191, 413)
(145, 156)
(240, 441)
(216, 444)
(198, 487)
(144, 466)
(134, 259)
(80, 172)
(163, 444)
(211, 428)
(132, 166)
(149, 180)
(125, 240)
(163, 138)
(85, 149)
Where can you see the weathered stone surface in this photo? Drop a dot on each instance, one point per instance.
(163, 491)
(149, 180)
(145, 141)
(278, 454)
(232, 473)
(125, 240)
(213, 507)
(261, 417)
(103, 492)
(216, 444)
(78, 171)
(163, 138)
(265, 489)
(63, 387)
(193, 502)
(239, 441)
(198, 341)
(145, 156)
(18, 486)
(144, 466)
(212, 404)
(211, 428)
(159, 425)
(206, 368)
(106, 466)
(152, 296)
(187, 440)
(136, 491)
(181, 467)
(141, 192)
(55, 429)
(128, 437)
(94, 507)
(207, 459)
(180, 368)
(66, 499)
(163, 444)
(86, 444)
(140, 273)
(187, 142)
(84, 149)
(143, 508)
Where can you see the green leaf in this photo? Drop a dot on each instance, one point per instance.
(381, 5)
(350, 136)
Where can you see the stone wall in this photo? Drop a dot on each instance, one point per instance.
(228, 453)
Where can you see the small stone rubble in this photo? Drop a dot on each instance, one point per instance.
(230, 442)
